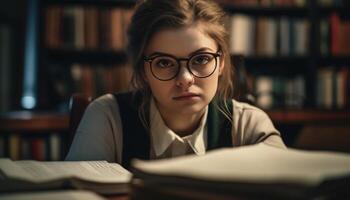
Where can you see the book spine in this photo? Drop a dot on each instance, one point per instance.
(55, 147)
(14, 146)
(335, 34)
(264, 91)
(242, 35)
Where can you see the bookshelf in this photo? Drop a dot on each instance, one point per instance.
(61, 59)
(320, 71)
(33, 135)
(100, 62)
(84, 40)
(303, 63)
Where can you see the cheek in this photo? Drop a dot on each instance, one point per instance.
(210, 84)
(158, 88)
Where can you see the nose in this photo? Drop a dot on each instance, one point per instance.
(184, 78)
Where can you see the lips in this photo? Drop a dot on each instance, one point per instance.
(186, 96)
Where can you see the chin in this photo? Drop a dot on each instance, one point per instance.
(191, 108)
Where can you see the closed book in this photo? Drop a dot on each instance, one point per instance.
(91, 28)
(324, 37)
(300, 91)
(14, 145)
(68, 27)
(117, 32)
(271, 38)
(79, 32)
(55, 147)
(345, 39)
(242, 35)
(301, 34)
(264, 91)
(284, 42)
(335, 34)
(38, 149)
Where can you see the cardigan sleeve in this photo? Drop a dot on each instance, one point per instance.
(251, 125)
(99, 134)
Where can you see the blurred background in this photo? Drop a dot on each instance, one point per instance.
(292, 59)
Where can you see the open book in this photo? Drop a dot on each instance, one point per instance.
(251, 172)
(52, 195)
(98, 176)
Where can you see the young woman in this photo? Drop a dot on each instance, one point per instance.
(182, 102)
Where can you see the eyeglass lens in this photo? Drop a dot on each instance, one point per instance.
(200, 65)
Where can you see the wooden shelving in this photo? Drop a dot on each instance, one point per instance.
(343, 60)
(99, 3)
(29, 122)
(343, 11)
(308, 116)
(258, 61)
(267, 11)
(86, 56)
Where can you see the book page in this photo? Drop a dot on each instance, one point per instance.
(9, 168)
(52, 195)
(36, 171)
(255, 164)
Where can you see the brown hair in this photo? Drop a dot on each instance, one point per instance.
(153, 15)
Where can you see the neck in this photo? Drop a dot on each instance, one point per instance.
(182, 124)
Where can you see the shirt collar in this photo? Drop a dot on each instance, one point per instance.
(162, 136)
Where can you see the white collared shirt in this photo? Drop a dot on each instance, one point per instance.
(166, 143)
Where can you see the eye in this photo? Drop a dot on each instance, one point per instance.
(201, 59)
(164, 63)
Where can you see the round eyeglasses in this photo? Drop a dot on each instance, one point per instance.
(166, 67)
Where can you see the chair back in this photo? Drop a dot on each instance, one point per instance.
(77, 105)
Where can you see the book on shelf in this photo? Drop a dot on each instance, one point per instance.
(81, 27)
(324, 37)
(333, 88)
(268, 36)
(61, 194)
(242, 34)
(91, 80)
(340, 30)
(279, 91)
(37, 147)
(98, 176)
(251, 172)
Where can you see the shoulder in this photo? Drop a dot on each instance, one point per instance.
(105, 105)
(109, 103)
(252, 125)
(105, 101)
(241, 109)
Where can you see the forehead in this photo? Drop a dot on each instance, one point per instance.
(180, 42)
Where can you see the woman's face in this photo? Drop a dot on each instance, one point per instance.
(185, 93)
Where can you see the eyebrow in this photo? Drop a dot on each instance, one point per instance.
(203, 49)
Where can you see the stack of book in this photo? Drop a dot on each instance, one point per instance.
(252, 172)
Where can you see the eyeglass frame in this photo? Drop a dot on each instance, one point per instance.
(178, 60)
